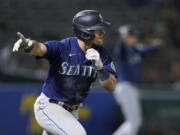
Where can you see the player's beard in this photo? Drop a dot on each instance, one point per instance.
(98, 41)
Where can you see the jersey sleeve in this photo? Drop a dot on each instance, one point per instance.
(53, 49)
(107, 62)
(145, 50)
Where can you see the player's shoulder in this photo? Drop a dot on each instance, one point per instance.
(67, 40)
(64, 41)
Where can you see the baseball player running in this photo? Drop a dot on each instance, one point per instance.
(75, 63)
(128, 54)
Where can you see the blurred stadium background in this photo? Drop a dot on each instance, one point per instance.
(21, 76)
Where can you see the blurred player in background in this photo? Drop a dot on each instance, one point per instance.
(128, 56)
(75, 63)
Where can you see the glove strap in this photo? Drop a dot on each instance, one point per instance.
(29, 49)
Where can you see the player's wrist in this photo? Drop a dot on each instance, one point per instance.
(29, 46)
(99, 64)
(29, 49)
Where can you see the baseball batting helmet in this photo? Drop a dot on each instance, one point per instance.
(87, 20)
(129, 29)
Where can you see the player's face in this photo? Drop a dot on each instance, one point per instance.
(99, 34)
(129, 39)
(132, 40)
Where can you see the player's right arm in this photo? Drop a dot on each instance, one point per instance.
(31, 47)
(39, 49)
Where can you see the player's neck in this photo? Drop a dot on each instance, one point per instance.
(84, 45)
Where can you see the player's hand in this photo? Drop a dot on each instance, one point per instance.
(93, 55)
(157, 42)
(22, 42)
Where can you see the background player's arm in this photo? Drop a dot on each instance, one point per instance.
(155, 44)
(31, 47)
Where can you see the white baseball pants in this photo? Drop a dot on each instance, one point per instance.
(55, 120)
(127, 97)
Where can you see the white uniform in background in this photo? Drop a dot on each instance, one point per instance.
(127, 97)
(128, 56)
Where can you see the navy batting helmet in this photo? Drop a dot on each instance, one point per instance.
(85, 21)
(129, 29)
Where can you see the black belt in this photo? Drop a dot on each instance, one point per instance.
(68, 107)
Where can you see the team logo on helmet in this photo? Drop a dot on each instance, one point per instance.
(100, 16)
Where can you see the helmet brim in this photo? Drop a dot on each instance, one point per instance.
(100, 26)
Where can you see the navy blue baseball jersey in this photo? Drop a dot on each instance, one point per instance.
(71, 75)
(129, 60)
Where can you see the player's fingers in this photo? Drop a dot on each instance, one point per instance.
(88, 56)
(92, 54)
(17, 45)
(29, 42)
(21, 36)
(90, 50)
(91, 57)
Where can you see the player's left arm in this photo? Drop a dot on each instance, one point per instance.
(105, 69)
(109, 83)
(155, 44)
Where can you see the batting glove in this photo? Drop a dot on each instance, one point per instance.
(93, 55)
(22, 43)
